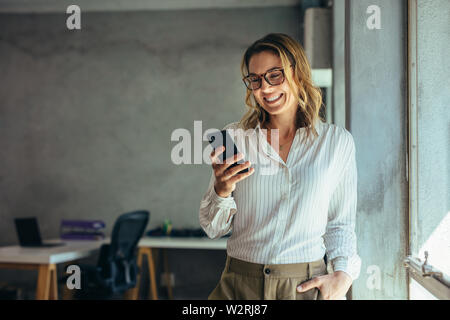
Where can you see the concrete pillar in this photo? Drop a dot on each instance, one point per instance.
(376, 117)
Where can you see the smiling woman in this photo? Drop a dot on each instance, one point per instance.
(288, 223)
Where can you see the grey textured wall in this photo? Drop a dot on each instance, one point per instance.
(376, 114)
(338, 36)
(86, 116)
(431, 231)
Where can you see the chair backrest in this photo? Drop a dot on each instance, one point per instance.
(127, 231)
(118, 259)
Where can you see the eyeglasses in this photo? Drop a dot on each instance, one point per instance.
(273, 77)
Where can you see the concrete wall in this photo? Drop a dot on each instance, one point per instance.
(338, 38)
(376, 114)
(86, 116)
(431, 227)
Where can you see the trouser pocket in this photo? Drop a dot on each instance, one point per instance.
(311, 294)
(318, 268)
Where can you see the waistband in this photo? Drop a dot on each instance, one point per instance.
(290, 270)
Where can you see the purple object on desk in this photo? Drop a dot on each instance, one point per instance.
(88, 224)
(82, 229)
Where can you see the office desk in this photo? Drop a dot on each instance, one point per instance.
(149, 245)
(45, 260)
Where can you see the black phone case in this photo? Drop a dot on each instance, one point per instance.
(222, 138)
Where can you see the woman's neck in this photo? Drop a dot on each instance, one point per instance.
(285, 128)
(286, 124)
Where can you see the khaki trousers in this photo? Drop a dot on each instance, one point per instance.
(243, 280)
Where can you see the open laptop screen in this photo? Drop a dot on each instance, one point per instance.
(28, 231)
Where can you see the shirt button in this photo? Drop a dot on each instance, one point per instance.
(267, 271)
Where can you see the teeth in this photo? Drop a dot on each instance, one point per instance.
(273, 99)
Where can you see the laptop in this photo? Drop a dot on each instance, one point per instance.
(29, 235)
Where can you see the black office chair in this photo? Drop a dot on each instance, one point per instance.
(116, 270)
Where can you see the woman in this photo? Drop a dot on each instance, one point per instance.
(287, 223)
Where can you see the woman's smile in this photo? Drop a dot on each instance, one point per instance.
(273, 98)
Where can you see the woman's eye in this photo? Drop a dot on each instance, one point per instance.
(275, 75)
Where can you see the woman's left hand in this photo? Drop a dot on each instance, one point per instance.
(331, 286)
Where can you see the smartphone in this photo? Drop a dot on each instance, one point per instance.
(222, 138)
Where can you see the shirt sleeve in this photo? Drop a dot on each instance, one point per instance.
(216, 213)
(340, 236)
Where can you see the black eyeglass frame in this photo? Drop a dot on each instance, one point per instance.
(264, 75)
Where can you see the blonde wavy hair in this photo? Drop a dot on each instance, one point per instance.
(309, 96)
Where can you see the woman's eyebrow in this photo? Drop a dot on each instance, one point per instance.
(252, 73)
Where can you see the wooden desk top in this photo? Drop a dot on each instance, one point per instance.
(183, 243)
(78, 249)
(71, 250)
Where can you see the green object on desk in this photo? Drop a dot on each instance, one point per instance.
(167, 227)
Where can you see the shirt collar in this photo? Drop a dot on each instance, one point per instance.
(318, 126)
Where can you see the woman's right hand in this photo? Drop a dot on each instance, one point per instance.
(225, 177)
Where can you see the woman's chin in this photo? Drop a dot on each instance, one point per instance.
(274, 110)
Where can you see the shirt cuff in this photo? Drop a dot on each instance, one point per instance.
(224, 203)
(228, 201)
(351, 266)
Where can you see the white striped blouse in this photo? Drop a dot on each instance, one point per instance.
(296, 214)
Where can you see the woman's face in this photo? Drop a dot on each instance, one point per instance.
(285, 99)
